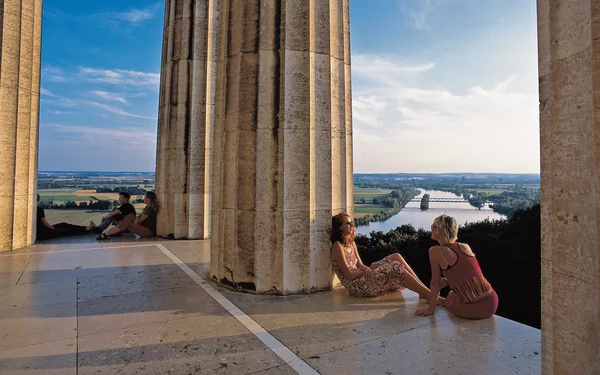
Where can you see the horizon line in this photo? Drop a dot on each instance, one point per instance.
(354, 173)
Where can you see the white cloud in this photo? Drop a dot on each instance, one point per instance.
(137, 15)
(128, 136)
(413, 129)
(61, 112)
(118, 77)
(381, 68)
(46, 92)
(114, 110)
(109, 96)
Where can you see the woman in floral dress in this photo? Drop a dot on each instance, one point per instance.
(387, 275)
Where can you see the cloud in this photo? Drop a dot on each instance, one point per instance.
(418, 12)
(135, 16)
(114, 110)
(45, 92)
(124, 22)
(128, 136)
(436, 129)
(54, 74)
(118, 77)
(76, 103)
(376, 65)
(109, 96)
(61, 112)
(384, 69)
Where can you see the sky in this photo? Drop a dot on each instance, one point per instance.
(438, 85)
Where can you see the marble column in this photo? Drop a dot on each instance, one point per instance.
(20, 47)
(186, 108)
(569, 79)
(282, 143)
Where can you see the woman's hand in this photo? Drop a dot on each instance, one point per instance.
(374, 265)
(367, 273)
(426, 311)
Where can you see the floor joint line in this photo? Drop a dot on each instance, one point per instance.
(276, 346)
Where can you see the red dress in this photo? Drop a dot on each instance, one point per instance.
(389, 276)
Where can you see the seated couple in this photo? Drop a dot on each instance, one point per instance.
(124, 218)
(471, 297)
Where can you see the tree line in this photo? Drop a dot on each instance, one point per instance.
(394, 201)
(133, 190)
(100, 205)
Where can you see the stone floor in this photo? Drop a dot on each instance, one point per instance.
(126, 306)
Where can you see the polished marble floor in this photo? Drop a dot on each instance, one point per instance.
(125, 306)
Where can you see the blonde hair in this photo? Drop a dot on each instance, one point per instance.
(448, 227)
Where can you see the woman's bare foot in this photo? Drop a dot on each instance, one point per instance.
(91, 226)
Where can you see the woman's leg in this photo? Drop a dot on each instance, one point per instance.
(392, 275)
(123, 224)
(414, 284)
(140, 230)
(481, 309)
(398, 258)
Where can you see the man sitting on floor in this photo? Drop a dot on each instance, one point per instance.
(118, 214)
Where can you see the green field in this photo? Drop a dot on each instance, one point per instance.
(80, 217)
(77, 217)
(369, 193)
(358, 190)
(48, 192)
(369, 208)
(487, 191)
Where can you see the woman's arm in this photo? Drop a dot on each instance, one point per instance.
(46, 223)
(337, 254)
(435, 285)
(141, 218)
(359, 263)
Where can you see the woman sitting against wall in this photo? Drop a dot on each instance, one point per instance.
(387, 275)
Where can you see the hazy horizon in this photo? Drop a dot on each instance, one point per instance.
(370, 173)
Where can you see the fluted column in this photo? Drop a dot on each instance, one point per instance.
(569, 76)
(186, 111)
(20, 41)
(282, 143)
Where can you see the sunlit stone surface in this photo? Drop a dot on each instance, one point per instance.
(20, 38)
(76, 308)
(569, 70)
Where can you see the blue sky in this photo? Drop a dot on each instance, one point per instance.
(438, 85)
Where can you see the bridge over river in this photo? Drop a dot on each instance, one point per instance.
(447, 200)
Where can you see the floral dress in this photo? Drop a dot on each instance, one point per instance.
(388, 277)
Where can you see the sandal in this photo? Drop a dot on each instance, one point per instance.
(103, 237)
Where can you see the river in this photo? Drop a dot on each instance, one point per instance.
(412, 214)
